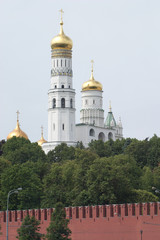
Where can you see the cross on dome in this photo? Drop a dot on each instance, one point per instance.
(110, 108)
(18, 115)
(61, 11)
(92, 65)
(42, 131)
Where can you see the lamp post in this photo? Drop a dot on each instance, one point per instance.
(9, 194)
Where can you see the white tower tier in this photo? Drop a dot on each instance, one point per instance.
(92, 111)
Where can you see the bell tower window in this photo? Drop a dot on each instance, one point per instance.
(63, 103)
(71, 103)
(54, 102)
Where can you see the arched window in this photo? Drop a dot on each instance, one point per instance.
(54, 102)
(62, 86)
(69, 86)
(63, 126)
(110, 135)
(101, 136)
(92, 132)
(63, 103)
(71, 103)
(55, 86)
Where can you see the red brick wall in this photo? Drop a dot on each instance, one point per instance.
(116, 222)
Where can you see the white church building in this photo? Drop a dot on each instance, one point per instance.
(61, 103)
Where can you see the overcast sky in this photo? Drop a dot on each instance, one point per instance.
(121, 36)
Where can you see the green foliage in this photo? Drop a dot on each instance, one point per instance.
(21, 176)
(58, 228)
(146, 179)
(29, 229)
(140, 196)
(20, 150)
(153, 154)
(110, 180)
(104, 173)
(60, 153)
(138, 150)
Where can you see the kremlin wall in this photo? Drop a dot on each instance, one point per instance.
(106, 222)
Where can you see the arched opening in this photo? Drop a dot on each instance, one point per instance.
(63, 126)
(110, 135)
(63, 103)
(101, 136)
(54, 102)
(71, 103)
(92, 132)
(62, 86)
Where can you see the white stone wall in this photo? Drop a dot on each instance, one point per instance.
(92, 108)
(83, 133)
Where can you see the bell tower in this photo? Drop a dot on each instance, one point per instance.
(61, 95)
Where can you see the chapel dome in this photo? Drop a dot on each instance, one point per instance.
(17, 132)
(42, 140)
(61, 40)
(92, 84)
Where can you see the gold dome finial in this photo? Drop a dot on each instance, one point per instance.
(61, 22)
(92, 78)
(42, 140)
(110, 108)
(18, 115)
(17, 132)
(91, 84)
(61, 41)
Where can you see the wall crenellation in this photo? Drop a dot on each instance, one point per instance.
(99, 211)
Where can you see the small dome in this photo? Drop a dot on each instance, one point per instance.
(17, 132)
(42, 140)
(61, 40)
(92, 84)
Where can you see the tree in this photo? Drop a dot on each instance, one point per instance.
(58, 228)
(20, 150)
(138, 150)
(29, 229)
(21, 175)
(61, 153)
(140, 196)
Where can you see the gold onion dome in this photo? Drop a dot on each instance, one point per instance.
(17, 132)
(61, 40)
(42, 140)
(92, 84)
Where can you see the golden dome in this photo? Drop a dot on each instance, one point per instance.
(61, 40)
(42, 140)
(92, 84)
(17, 132)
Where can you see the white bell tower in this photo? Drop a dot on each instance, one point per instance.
(61, 95)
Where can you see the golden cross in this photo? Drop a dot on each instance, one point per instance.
(18, 115)
(61, 11)
(92, 65)
(110, 108)
(42, 130)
